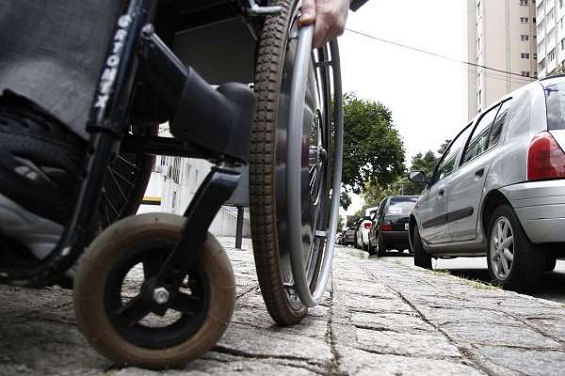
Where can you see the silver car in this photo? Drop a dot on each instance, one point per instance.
(499, 189)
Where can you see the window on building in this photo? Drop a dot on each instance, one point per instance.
(524, 19)
(551, 55)
(550, 16)
(533, 19)
(525, 55)
(542, 64)
(524, 37)
(560, 3)
(524, 2)
(176, 170)
(535, 56)
(525, 73)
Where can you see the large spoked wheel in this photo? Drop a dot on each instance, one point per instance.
(269, 202)
(514, 263)
(129, 321)
(126, 180)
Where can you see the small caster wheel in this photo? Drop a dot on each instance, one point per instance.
(135, 324)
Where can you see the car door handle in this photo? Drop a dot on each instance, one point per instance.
(479, 173)
(440, 192)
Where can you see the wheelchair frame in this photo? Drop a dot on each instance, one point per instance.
(226, 111)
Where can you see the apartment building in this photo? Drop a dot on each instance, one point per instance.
(550, 15)
(502, 49)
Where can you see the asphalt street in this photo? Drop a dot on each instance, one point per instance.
(376, 317)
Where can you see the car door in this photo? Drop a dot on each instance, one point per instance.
(432, 207)
(465, 194)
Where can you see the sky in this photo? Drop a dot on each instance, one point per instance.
(427, 94)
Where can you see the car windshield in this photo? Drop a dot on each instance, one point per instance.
(401, 205)
(555, 99)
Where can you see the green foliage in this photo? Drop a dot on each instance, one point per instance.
(425, 163)
(373, 192)
(443, 146)
(344, 200)
(372, 146)
(350, 221)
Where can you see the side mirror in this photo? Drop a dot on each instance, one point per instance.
(418, 177)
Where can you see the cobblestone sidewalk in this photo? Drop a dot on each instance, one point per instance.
(375, 318)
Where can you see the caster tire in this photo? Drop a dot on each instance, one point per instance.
(125, 326)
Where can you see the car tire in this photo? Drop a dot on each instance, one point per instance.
(381, 246)
(370, 248)
(550, 263)
(514, 263)
(421, 258)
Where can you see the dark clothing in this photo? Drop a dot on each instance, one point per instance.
(52, 52)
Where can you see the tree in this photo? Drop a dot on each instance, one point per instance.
(425, 163)
(344, 200)
(372, 146)
(373, 192)
(443, 146)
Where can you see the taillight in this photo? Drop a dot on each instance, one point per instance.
(546, 159)
(367, 225)
(385, 226)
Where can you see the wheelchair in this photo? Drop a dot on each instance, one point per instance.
(157, 290)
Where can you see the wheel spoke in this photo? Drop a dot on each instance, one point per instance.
(508, 255)
(134, 311)
(506, 243)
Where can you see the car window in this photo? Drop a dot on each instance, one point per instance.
(520, 114)
(496, 129)
(447, 162)
(480, 137)
(401, 205)
(555, 101)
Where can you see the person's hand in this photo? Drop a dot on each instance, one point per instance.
(328, 16)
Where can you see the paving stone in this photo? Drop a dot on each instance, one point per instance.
(375, 318)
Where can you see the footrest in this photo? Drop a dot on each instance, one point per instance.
(218, 119)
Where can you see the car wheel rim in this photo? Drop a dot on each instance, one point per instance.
(501, 248)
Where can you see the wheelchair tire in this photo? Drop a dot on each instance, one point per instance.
(129, 327)
(269, 224)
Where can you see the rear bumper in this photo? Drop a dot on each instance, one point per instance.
(395, 238)
(540, 207)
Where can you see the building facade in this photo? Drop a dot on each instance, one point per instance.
(550, 30)
(502, 49)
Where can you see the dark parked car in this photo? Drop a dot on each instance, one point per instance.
(348, 236)
(499, 189)
(390, 225)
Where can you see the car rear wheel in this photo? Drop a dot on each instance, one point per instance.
(514, 263)
(550, 263)
(371, 248)
(381, 246)
(421, 258)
